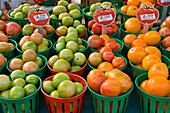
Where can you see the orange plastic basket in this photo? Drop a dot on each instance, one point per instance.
(76, 101)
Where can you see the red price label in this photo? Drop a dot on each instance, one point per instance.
(147, 16)
(39, 18)
(104, 17)
(164, 2)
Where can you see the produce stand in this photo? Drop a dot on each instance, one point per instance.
(131, 103)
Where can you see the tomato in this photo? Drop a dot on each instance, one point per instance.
(108, 56)
(109, 30)
(97, 29)
(112, 45)
(90, 24)
(12, 29)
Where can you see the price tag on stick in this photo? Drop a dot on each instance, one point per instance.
(165, 4)
(104, 17)
(147, 15)
(39, 18)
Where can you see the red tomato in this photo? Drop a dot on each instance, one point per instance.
(115, 28)
(97, 29)
(12, 29)
(112, 45)
(109, 41)
(109, 30)
(90, 24)
(108, 56)
(118, 46)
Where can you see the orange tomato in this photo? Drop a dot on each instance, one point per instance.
(3, 38)
(105, 37)
(124, 9)
(128, 39)
(105, 66)
(118, 46)
(131, 10)
(111, 87)
(157, 86)
(2, 60)
(104, 49)
(152, 38)
(94, 41)
(124, 79)
(139, 42)
(133, 25)
(118, 62)
(133, 3)
(149, 60)
(143, 84)
(95, 78)
(108, 56)
(151, 1)
(141, 36)
(153, 50)
(136, 54)
(141, 30)
(158, 69)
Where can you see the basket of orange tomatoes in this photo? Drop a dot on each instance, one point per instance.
(110, 92)
(142, 60)
(153, 91)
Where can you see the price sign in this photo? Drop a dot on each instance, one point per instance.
(39, 17)
(164, 2)
(104, 17)
(147, 16)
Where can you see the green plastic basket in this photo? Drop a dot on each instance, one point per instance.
(163, 50)
(143, 97)
(139, 71)
(84, 42)
(10, 54)
(21, 22)
(10, 104)
(124, 17)
(116, 3)
(41, 72)
(117, 51)
(16, 37)
(112, 35)
(57, 22)
(124, 33)
(103, 104)
(0, 14)
(88, 18)
(47, 53)
(162, 37)
(117, 55)
(3, 68)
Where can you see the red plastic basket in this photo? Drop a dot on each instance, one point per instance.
(78, 72)
(82, 36)
(76, 100)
